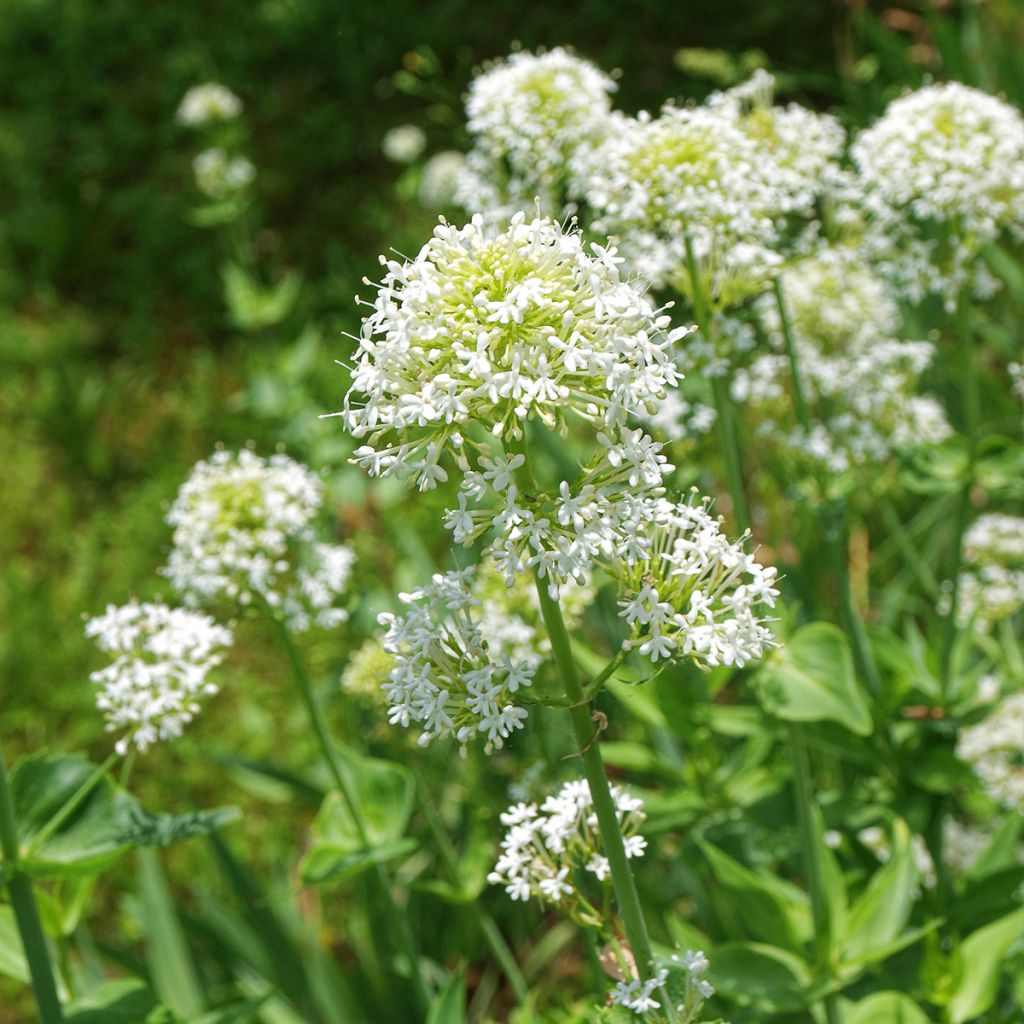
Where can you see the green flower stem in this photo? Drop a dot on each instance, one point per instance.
(799, 395)
(379, 875)
(71, 805)
(972, 405)
(802, 789)
(584, 727)
(898, 531)
(26, 914)
(491, 933)
(725, 421)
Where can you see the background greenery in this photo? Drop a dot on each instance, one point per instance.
(122, 361)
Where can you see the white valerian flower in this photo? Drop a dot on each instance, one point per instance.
(547, 847)
(681, 977)
(859, 382)
(639, 996)
(691, 593)
(439, 180)
(690, 172)
(244, 533)
(367, 671)
(945, 157)
(220, 175)
(533, 118)
(994, 748)
(992, 583)
(156, 683)
(204, 104)
(449, 676)
(404, 144)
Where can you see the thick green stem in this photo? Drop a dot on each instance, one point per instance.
(26, 914)
(725, 421)
(397, 919)
(584, 730)
(491, 933)
(802, 790)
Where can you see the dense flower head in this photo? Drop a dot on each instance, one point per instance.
(858, 380)
(494, 328)
(449, 676)
(992, 584)
(680, 977)
(244, 533)
(690, 172)
(994, 748)
(533, 118)
(162, 656)
(545, 847)
(220, 175)
(207, 103)
(692, 593)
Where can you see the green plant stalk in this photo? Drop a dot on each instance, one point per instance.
(597, 779)
(380, 875)
(26, 914)
(490, 931)
(724, 420)
(898, 531)
(802, 789)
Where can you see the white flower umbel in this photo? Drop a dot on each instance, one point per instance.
(694, 172)
(992, 583)
(858, 380)
(449, 677)
(244, 533)
(156, 683)
(220, 175)
(208, 103)
(945, 157)
(994, 748)
(681, 977)
(690, 592)
(404, 144)
(533, 118)
(545, 848)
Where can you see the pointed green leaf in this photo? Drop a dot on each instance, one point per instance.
(760, 976)
(449, 1005)
(886, 1008)
(981, 960)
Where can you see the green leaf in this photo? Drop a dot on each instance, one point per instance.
(760, 976)
(449, 1005)
(253, 306)
(881, 911)
(125, 1001)
(12, 954)
(384, 793)
(886, 1008)
(768, 907)
(170, 963)
(812, 679)
(106, 823)
(980, 957)
(1002, 851)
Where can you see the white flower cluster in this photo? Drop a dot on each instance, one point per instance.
(692, 171)
(533, 118)
(440, 178)
(994, 748)
(244, 533)
(448, 675)
(403, 144)
(639, 996)
(859, 381)
(162, 657)
(992, 583)
(220, 175)
(690, 592)
(945, 155)
(207, 103)
(544, 847)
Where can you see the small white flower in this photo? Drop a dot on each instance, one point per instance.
(220, 175)
(994, 748)
(207, 103)
(992, 583)
(404, 144)
(158, 679)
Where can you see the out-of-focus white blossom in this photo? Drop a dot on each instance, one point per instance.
(156, 683)
(207, 103)
(440, 179)
(220, 175)
(404, 144)
(449, 677)
(691, 592)
(992, 581)
(859, 381)
(994, 748)
(244, 533)
(534, 119)
(545, 847)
